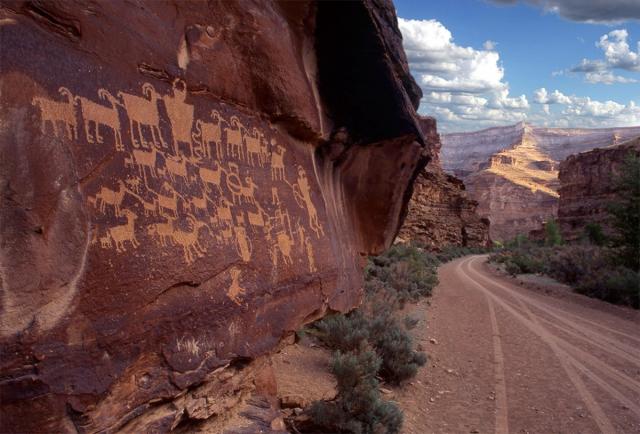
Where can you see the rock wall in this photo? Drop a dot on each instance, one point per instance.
(440, 213)
(587, 186)
(183, 184)
(513, 171)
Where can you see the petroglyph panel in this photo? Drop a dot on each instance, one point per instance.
(210, 183)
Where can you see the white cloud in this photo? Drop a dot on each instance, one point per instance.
(580, 111)
(465, 88)
(462, 85)
(618, 55)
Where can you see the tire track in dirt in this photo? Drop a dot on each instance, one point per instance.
(599, 417)
(502, 407)
(613, 373)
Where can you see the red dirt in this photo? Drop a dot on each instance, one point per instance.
(511, 359)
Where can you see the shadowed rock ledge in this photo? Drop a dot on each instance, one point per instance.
(183, 184)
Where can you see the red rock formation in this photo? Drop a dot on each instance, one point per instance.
(440, 213)
(587, 187)
(513, 171)
(182, 184)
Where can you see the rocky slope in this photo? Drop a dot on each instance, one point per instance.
(513, 171)
(587, 186)
(440, 213)
(183, 184)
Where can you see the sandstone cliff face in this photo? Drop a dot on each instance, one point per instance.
(587, 187)
(513, 171)
(440, 213)
(182, 184)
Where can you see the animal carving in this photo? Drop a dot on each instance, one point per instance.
(302, 195)
(255, 148)
(235, 142)
(224, 213)
(54, 112)
(188, 240)
(145, 160)
(143, 112)
(212, 176)
(162, 231)
(169, 203)
(120, 234)
(248, 192)
(277, 162)
(106, 196)
(207, 132)
(235, 290)
(180, 114)
(101, 115)
(176, 167)
(198, 203)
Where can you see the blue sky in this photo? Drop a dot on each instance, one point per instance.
(533, 68)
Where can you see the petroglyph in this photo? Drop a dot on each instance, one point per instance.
(54, 113)
(99, 114)
(208, 191)
(302, 194)
(143, 112)
(180, 114)
(235, 290)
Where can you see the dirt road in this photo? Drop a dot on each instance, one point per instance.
(504, 358)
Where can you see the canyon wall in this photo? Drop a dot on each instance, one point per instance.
(588, 186)
(183, 184)
(440, 213)
(513, 171)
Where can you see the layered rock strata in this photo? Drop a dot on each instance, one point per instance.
(440, 213)
(513, 171)
(182, 184)
(588, 187)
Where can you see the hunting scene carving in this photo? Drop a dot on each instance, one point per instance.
(208, 184)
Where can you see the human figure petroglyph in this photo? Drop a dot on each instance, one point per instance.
(180, 114)
(275, 199)
(302, 195)
(163, 231)
(305, 243)
(207, 132)
(255, 148)
(189, 241)
(277, 161)
(235, 142)
(212, 176)
(247, 192)
(120, 234)
(244, 247)
(143, 111)
(106, 196)
(235, 290)
(55, 112)
(99, 114)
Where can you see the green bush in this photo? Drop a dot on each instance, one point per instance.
(552, 235)
(343, 332)
(619, 286)
(358, 407)
(594, 234)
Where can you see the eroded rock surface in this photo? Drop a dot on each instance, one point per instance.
(513, 171)
(588, 186)
(440, 213)
(182, 183)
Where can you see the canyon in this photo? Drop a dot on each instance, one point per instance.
(183, 185)
(512, 171)
(588, 187)
(440, 214)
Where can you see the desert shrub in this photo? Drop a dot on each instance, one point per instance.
(594, 234)
(552, 235)
(405, 268)
(343, 332)
(521, 260)
(410, 322)
(358, 407)
(625, 212)
(620, 286)
(571, 263)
